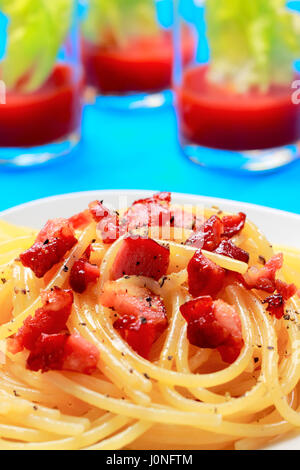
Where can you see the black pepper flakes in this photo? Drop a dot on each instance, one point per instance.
(262, 259)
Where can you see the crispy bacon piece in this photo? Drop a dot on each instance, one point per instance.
(204, 276)
(63, 352)
(233, 224)
(215, 325)
(275, 305)
(276, 302)
(83, 273)
(151, 212)
(286, 290)
(209, 236)
(52, 243)
(227, 248)
(158, 198)
(264, 278)
(142, 315)
(108, 222)
(81, 220)
(49, 319)
(141, 257)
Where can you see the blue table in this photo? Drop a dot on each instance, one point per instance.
(139, 150)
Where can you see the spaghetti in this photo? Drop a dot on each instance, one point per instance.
(157, 376)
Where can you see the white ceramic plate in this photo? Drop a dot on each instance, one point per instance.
(282, 228)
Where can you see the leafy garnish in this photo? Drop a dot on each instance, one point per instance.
(113, 22)
(253, 43)
(36, 31)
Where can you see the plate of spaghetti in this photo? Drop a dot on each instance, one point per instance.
(147, 321)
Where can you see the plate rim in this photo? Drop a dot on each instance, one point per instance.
(147, 193)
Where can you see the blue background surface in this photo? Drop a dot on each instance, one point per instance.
(139, 150)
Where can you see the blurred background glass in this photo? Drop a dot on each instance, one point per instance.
(41, 81)
(236, 104)
(128, 50)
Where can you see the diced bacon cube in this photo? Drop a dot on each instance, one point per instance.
(50, 318)
(275, 305)
(145, 213)
(52, 243)
(142, 315)
(63, 352)
(47, 353)
(233, 224)
(83, 273)
(227, 248)
(141, 257)
(56, 228)
(80, 355)
(108, 222)
(276, 302)
(158, 198)
(214, 325)
(204, 276)
(264, 278)
(81, 220)
(286, 290)
(209, 235)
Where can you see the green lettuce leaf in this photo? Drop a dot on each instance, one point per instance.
(253, 42)
(36, 32)
(115, 21)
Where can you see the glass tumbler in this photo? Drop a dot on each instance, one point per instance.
(41, 81)
(128, 51)
(238, 103)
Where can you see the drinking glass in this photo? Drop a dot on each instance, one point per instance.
(128, 51)
(238, 103)
(41, 81)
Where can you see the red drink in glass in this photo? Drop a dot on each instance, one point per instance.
(144, 64)
(41, 81)
(236, 102)
(128, 52)
(212, 115)
(46, 115)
